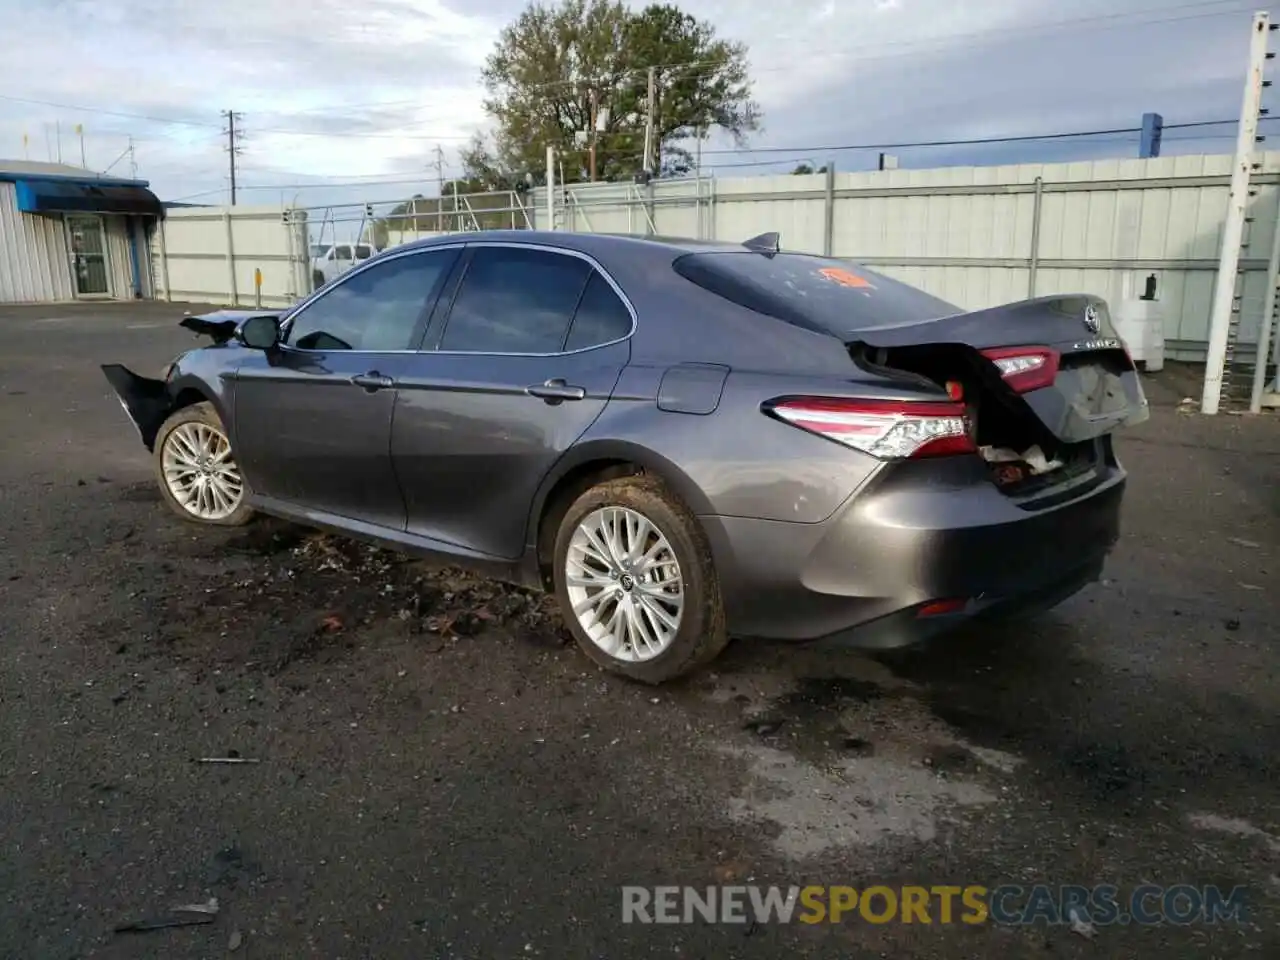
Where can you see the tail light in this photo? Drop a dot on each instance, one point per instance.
(1025, 368)
(887, 429)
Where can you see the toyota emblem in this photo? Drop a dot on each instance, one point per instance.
(1091, 318)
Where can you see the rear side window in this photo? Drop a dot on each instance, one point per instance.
(515, 300)
(828, 296)
(602, 317)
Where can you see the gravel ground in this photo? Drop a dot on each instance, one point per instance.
(441, 775)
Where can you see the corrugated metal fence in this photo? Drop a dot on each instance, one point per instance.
(213, 254)
(980, 236)
(976, 236)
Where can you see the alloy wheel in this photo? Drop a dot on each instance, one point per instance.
(624, 584)
(200, 473)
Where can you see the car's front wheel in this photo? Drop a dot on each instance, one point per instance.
(635, 581)
(199, 478)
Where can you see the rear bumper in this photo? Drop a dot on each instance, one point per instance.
(919, 533)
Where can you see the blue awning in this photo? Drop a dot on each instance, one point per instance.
(77, 196)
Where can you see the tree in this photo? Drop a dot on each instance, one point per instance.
(556, 67)
(808, 168)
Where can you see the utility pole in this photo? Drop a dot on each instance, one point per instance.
(594, 108)
(649, 125)
(551, 187)
(233, 147)
(133, 161)
(57, 126)
(1225, 315)
(439, 187)
(80, 134)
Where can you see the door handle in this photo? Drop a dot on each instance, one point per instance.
(372, 381)
(556, 391)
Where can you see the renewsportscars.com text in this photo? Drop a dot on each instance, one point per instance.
(1008, 904)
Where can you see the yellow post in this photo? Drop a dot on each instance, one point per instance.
(257, 288)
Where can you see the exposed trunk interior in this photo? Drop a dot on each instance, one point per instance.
(1023, 456)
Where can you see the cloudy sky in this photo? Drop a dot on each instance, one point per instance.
(346, 101)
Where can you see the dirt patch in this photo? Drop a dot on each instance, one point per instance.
(853, 803)
(279, 595)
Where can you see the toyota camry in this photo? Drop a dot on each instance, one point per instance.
(684, 441)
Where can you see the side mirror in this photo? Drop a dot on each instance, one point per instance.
(259, 333)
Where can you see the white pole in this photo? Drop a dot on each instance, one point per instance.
(1268, 317)
(648, 120)
(1233, 227)
(551, 187)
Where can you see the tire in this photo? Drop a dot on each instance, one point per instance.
(700, 634)
(199, 419)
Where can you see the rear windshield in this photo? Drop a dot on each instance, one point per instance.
(828, 296)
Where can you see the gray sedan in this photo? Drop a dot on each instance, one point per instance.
(684, 441)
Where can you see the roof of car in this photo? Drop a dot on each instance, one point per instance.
(584, 242)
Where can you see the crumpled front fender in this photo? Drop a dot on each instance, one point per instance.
(146, 401)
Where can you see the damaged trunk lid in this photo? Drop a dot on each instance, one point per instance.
(1055, 360)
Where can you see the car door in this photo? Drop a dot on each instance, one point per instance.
(515, 368)
(313, 417)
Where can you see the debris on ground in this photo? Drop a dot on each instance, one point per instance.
(1241, 542)
(763, 726)
(226, 760)
(186, 915)
(323, 593)
(164, 923)
(233, 944)
(1079, 925)
(210, 906)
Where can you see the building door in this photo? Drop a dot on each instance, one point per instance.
(88, 256)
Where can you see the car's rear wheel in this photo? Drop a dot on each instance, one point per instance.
(635, 581)
(199, 478)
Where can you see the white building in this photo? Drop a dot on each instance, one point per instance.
(67, 233)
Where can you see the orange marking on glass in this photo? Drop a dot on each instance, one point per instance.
(845, 278)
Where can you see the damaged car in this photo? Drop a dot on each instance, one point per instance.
(683, 441)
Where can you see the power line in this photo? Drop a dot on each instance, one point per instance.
(107, 113)
(976, 141)
(800, 152)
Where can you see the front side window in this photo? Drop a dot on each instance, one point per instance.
(377, 308)
(342, 254)
(515, 300)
